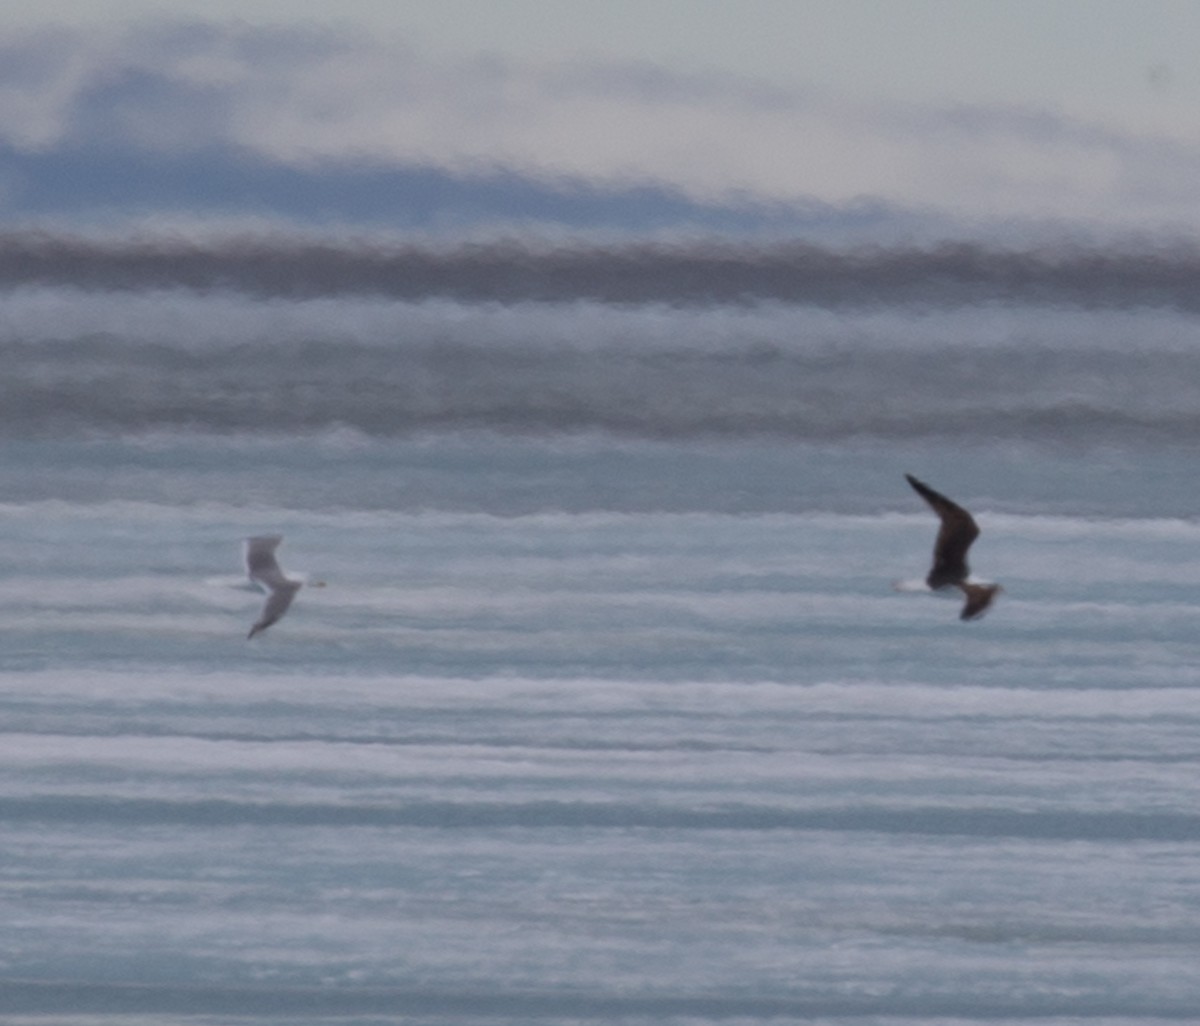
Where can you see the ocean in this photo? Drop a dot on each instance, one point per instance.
(607, 709)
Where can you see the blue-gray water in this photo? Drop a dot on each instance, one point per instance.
(608, 710)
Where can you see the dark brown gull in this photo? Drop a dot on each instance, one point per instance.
(954, 538)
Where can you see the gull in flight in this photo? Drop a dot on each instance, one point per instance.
(264, 571)
(954, 537)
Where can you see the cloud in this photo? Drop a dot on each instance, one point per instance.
(315, 99)
(204, 192)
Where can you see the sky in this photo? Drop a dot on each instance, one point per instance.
(861, 120)
(1087, 54)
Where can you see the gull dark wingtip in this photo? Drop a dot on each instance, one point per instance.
(923, 490)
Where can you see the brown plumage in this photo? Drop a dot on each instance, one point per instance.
(955, 537)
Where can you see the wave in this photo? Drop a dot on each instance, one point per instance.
(472, 1003)
(442, 379)
(981, 822)
(705, 271)
(1062, 347)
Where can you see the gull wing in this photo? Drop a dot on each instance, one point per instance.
(264, 570)
(955, 537)
(261, 565)
(276, 605)
(979, 599)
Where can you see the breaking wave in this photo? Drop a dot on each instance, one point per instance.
(113, 355)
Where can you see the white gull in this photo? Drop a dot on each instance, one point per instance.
(264, 571)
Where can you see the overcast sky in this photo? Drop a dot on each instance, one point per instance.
(1082, 110)
(1098, 56)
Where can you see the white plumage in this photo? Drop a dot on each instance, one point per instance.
(264, 571)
